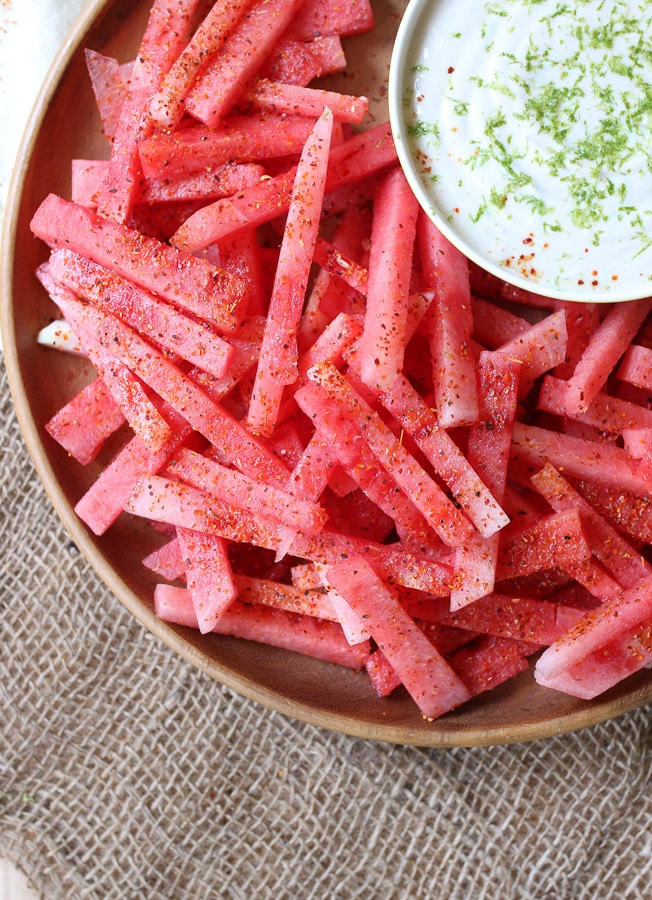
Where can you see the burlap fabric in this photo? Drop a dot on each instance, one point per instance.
(125, 773)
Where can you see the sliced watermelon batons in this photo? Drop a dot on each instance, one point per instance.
(423, 671)
(447, 460)
(208, 575)
(297, 100)
(351, 451)
(381, 346)
(278, 362)
(328, 17)
(446, 273)
(264, 591)
(105, 500)
(206, 416)
(186, 281)
(167, 106)
(351, 161)
(164, 500)
(493, 325)
(598, 628)
(166, 561)
(602, 464)
(109, 88)
(166, 33)
(604, 668)
(451, 526)
(489, 661)
(82, 426)
(604, 412)
(301, 61)
(616, 554)
(301, 634)
(127, 390)
(163, 324)
(240, 139)
(247, 493)
(605, 347)
(223, 80)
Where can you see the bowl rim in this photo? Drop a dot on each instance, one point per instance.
(443, 734)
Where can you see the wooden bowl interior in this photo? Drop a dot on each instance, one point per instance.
(64, 125)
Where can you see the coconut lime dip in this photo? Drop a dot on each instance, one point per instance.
(525, 128)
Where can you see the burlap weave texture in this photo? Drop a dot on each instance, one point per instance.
(125, 773)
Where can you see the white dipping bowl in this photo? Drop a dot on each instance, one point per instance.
(526, 135)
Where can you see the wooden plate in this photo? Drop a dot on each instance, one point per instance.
(64, 125)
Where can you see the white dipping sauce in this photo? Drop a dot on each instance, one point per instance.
(525, 129)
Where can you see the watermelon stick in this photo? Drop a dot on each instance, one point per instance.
(195, 405)
(540, 348)
(228, 436)
(328, 17)
(490, 661)
(338, 263)
(209, 575)
(246, 493)
(227, 74)
(299, 61)
(446, 520)
(586, 460)
(608, 545)
(557, 539)
(520, 618)
(187, 282)
(341, 438)
(597, 628)
(104, 501)
(446, 273)
(606, 346)
(302, 634)
(166, 34)
(168, 104)
(199, 149)
(488, 453)
(83, 424)
(166, 561)
(382, 345)
(164, 500)
(109, 89)
(163, 324)
(469, 490)
(604, 412)
(349, 162)
(313, 469)
(127, 391)
(636, 367)
(294, 99)
(421, 668)
(278, 363)
(605, 667)
(307, 601)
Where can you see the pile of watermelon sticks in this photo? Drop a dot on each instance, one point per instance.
(352, 442)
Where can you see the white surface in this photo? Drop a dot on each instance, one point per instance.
(13, 884)
(531, 146)
(31, 32)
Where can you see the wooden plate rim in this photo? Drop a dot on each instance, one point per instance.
(443, 733)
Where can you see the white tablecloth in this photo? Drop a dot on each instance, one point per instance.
(31, 32)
